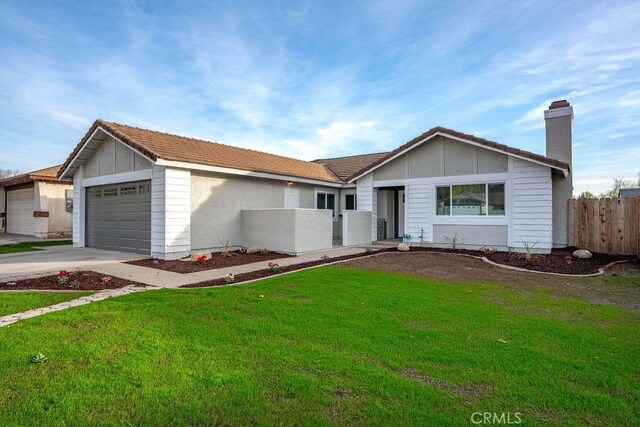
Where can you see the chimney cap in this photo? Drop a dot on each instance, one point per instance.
(559, 104)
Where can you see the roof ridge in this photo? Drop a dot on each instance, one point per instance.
(206, 141)
(349, 156)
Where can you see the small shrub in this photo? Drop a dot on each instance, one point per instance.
(453, 241)
(156, 261)
(229, 278)
(226, 250)
(106, 279)
(325, 258)
(273, 267)
(39, 358)
(529, 255)
(406, 238)
(568, 259)
(202, 260)
(533, 261)
(75, 285)
(368, 251)
(264, 251)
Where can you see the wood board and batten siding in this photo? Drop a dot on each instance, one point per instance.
(170, 212)
(532, 203)
(605, 225)
(418, 212)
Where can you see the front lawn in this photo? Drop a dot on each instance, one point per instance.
(17, 302)
(328, 345)
(31, 246)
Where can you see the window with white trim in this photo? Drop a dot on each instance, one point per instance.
(326, 201)
(477, 199)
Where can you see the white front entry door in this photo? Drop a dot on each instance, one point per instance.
(400, 202)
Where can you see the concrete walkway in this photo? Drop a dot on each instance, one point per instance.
(99, 296)
(168, 279)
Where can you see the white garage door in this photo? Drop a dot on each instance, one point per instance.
(20, 211)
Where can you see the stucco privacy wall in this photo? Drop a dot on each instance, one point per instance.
(471, 236)
(217, 201)
(532, 205)
(170, 212)
(290, 231)
(50, 198)
(441, 156)
(356, 228)
(112, 157)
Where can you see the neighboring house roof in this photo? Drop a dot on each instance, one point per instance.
(629, 192)
(159, 145)
(46, 174)
(438, 130)
(346, 166)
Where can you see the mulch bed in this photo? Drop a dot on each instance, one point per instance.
(87, 281)
(554, 262)
(217, 261)
(259, 274)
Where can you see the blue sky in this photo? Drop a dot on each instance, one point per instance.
(314, 79)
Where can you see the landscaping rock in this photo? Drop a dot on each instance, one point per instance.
(252, 250)
(488, 250)
(582, 253)
(195, 257)
(403, 247)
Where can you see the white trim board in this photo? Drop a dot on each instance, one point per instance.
(142, 175)
(231, 171)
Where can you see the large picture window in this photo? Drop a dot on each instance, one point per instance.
(470, 199)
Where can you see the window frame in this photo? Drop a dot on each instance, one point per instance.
(336, 198)
(486, 215)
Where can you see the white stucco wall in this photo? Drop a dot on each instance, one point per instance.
(50, 197)
(290, 231)
(356, 228)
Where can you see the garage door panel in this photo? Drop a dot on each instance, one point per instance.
(20, 211)
(119, 217)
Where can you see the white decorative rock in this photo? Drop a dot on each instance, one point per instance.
(403, 247)
(488, 250)
(252, 250)
(582, 253)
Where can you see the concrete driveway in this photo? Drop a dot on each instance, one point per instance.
(56, 258)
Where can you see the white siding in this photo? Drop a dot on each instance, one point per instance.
(418, 212)
(531, 204)
(78, 209)
(368, 201)
(170, 212)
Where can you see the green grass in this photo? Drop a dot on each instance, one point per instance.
(17, 301)
(31, 246)
(329, 345)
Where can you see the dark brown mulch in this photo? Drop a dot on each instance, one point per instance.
(217, 261)
(87, 280)
(556, 262)
(259, 274)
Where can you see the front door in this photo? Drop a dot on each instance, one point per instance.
(400, 210)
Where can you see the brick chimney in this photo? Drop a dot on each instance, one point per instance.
(559, 131)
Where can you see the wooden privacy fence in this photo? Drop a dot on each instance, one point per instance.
(605, 225)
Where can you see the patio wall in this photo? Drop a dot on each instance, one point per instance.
(356, 228)
(291, 231)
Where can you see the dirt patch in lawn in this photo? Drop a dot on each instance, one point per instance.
(216, 261)
(460, 269)
(470, 392)
(86, 281)
(259, 274)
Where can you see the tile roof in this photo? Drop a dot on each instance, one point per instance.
(159, 145)
(46, 174)
(346, 166)
(442, 130)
